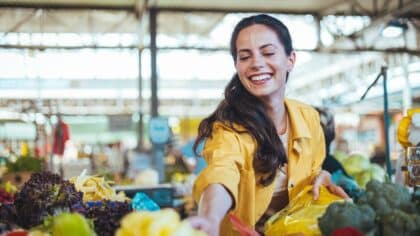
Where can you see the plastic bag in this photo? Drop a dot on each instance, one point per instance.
(302, 213)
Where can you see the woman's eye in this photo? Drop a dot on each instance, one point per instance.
(243, 58)
(268, 53)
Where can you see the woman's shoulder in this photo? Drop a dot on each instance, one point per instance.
(303, 107)
(235, 131)
(226, 126)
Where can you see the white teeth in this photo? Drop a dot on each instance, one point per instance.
(260, 77)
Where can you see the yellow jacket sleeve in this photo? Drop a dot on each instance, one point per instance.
(224, 157)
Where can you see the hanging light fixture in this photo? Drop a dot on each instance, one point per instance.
(394, 28)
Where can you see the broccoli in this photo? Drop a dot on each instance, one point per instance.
(347, 214)
(397, 222)
(384, 197)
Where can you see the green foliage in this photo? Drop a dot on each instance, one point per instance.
(45, 194)
(25, 164)
(106, 217)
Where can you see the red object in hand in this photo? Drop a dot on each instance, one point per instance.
(241, 227)
(61, 135)
(347, 231)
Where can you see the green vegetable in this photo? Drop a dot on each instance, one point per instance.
(384, 197)
(347, 214)
(397, 222)
(356, 163)
(106, 217)
(373, 172)
(25, 164)
(45, 194)
(68, 224)
(387, 208)
(340, 156)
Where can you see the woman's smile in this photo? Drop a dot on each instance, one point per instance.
(262, 63)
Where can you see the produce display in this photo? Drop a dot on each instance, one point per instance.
(5, 197)
(385, 209)
(44, 195)
(8, 217)
(24, 163)
(360, 168)
(156, 223)
(347, 214)
(106, 216)
(47, 205)
(95, 188)
(69, 224)
(374, 171)
(355, 163)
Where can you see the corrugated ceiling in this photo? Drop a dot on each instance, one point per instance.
(296, 6)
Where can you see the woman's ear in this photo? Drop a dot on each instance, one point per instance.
(291, 61)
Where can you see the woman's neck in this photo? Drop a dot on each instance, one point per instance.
(277, 112)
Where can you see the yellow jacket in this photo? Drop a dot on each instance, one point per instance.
(229, 157)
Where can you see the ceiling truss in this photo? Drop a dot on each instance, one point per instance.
(127, 15)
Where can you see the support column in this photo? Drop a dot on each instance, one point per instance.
(318, 19)
(158, 147)
(407, 98)
(153, 53)
(140, 129)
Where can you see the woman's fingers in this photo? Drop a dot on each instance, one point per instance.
(324, 178)
(337, 190)
(315, 187)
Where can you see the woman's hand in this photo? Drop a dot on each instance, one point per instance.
(213, 206)
(206, 224)
(324, 178)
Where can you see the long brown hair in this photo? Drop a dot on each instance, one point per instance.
(242, 108)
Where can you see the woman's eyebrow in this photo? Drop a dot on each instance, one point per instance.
(244, 50)
(261, 47)
(267, 45)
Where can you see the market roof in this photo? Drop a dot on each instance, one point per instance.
(300, 6)
(96, 17)
(135, 8)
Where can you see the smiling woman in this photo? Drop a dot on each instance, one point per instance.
(261, 148)
(262, 62)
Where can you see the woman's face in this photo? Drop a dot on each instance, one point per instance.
(262, 63)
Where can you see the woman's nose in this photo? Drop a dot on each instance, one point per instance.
(257, 63)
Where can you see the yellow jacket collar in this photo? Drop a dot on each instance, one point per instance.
(299, 128)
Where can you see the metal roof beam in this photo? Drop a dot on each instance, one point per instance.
(324, 50)
(67, 6)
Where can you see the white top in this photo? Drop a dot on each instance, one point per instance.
(281, 177)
